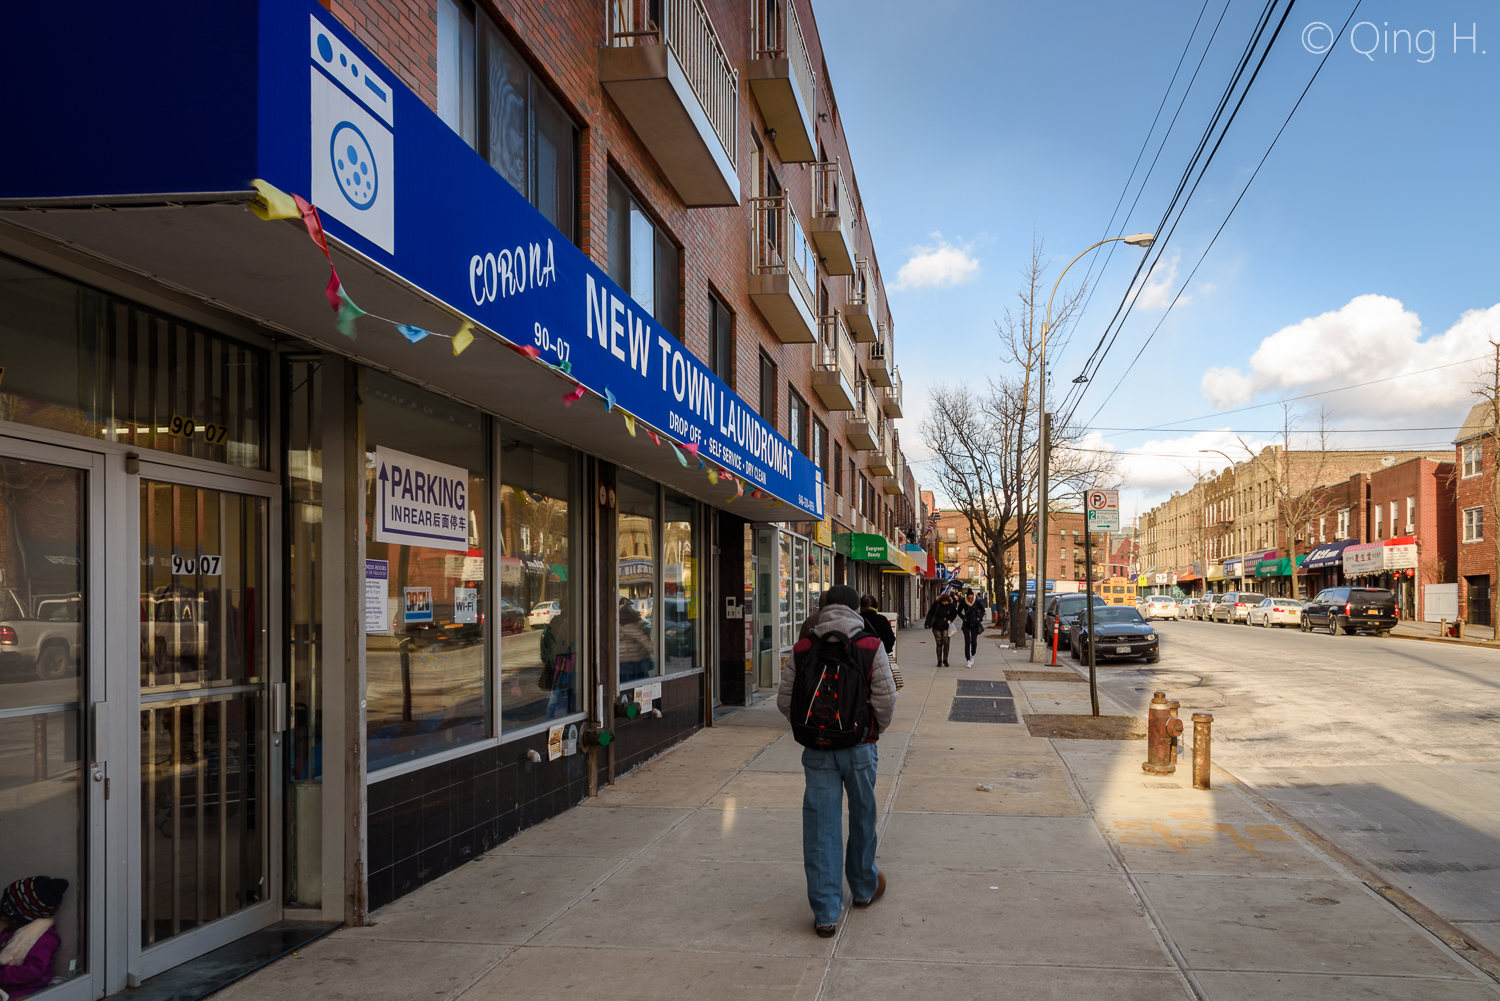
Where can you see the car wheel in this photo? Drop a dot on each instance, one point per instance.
(1333, 625)
(1266, 622)
(1384, 633)
(1306, 624)
(53, 662)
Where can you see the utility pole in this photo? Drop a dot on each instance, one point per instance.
(1088, 586)
(1039, 644)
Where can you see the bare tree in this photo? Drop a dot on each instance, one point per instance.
(1297, 479)
(986, 443)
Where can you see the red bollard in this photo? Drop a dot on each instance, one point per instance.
(1054, 644)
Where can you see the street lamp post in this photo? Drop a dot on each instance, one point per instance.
(1038, 652)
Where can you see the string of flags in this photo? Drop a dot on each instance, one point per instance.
(272, 203)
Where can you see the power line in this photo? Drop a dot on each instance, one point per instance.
(1321, 63)
(1305, 396)
(1445, 427)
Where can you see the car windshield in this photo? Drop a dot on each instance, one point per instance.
(1287, 603)
(1248, 598)
(1115, 615)
(1160, 598)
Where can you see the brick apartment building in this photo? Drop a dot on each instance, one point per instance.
(966, 560)
(497, 385)
(1474, 504)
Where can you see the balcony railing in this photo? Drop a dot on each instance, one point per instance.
(834, 368)
(890, 396)
(780, 267)
(860, 303)
(878, 364)
(686, 28)
(776, 35)
(833, 217)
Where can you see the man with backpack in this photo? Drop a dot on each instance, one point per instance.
(839, 694)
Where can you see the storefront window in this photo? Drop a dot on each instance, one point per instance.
(636, 578)
(426, 608)
(784, 592)
(42, 604)
(540, 596)
(680, 584)
(80, 361)
(800, 592)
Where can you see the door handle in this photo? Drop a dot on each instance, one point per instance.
(278, 707)
(99, 734)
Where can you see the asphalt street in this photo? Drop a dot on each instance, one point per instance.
(1388, 747)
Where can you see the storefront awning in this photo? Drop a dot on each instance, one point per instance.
(439, 238)
(1278, 567)
(868, 547)
(1329, 554)
(1381, 557)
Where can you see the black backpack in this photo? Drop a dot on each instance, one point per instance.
(831, 693)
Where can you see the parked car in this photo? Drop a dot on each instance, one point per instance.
(1343, 610)
(1276, 612)
(1159, 606)
(45, 639)
(513, 618)
(1062, 609)
(1203, 610)
(1120, 632)
(1235, 606)
(543, 613)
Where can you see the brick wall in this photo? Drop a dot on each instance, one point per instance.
(1474, 559)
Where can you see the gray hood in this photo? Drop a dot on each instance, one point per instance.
(838, 619)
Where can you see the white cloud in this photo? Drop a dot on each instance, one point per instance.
(1159, 283)
(1372, 337)
(938, 265)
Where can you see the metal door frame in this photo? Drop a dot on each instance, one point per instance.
(103, 820)
(140, 963)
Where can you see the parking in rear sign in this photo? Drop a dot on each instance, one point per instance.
(1104, 510)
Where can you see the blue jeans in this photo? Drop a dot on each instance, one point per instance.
(829, 774)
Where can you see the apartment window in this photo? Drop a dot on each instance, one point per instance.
(643, 260)
(1473, 460)
(490, 97)
(1411, 514)
(768, 389)
(1474, 524)
(1322, 529)
(1394, 522)
(1343, 524)
(838, 469)
(818, 435)
(952, 534)
(796, 422)
(1377, 532)
(721, 339)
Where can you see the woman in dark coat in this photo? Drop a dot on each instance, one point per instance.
(971, 611)
(869, 610)
(939, 617)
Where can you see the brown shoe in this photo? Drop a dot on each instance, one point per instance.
(825, 931)
(879, 890)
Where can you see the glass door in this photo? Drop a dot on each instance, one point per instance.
(209, 773)
(52, 769)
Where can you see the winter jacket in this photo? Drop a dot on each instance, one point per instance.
(941, 614)
(33, 972)
(845, 620)
(972, 614)
(880, 626)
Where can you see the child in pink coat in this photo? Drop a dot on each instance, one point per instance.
(28, 939)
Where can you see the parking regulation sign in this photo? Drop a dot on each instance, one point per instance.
(1104, 510)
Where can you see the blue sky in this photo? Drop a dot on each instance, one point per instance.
(1367, 240)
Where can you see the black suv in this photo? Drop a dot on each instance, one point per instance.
(1067, 606)
(1343, 610)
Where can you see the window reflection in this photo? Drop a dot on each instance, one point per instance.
(636, 578)
(679, 586)
(539, 615)
(426, 683)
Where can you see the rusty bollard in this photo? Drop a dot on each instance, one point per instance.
(1162, 730)
(1203, 729)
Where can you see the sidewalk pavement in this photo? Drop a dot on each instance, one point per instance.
(1077, 877)
(1429, 630)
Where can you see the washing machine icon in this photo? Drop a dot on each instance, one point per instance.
(354, 165)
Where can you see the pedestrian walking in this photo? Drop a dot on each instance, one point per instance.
(839, 694)
(939, 617)
(971, 612)
(876, 622)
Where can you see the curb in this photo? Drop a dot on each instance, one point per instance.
(1419, 912)
(1483, 644)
